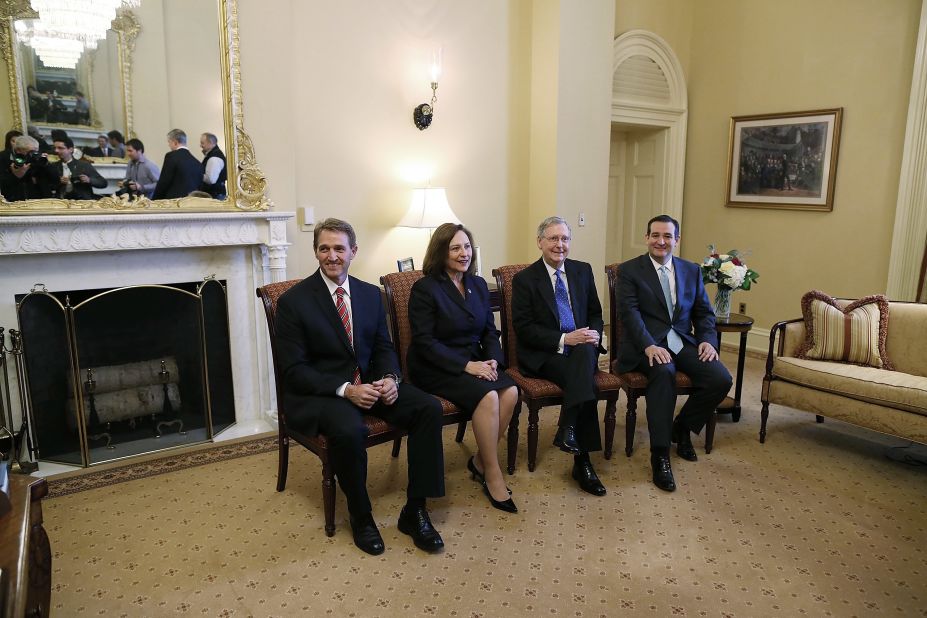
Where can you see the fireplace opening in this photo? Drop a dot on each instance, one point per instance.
(112, 373)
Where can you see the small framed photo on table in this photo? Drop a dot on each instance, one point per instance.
(786, 160)
(405, 264)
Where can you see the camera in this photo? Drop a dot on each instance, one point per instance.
(33, 158)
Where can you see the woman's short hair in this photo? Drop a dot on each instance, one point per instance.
(438, 249)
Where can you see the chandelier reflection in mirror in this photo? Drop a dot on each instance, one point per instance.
(65, 28)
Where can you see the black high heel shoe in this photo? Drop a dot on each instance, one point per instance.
(505, 505)
(477, 476)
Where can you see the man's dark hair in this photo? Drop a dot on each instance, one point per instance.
(439, 247)
(334, 225)
(8, 140)
(116, 135)
(59, 135)
(67, 141)
(664, 219)
(78, 94)
(136, 144)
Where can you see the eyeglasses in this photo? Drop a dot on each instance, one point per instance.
(563, 239)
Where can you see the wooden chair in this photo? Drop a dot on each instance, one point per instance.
(634, 383)
(538, 393)
(398, 288)
(379, 430)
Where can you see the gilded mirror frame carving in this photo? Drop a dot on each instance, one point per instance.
(246, 184)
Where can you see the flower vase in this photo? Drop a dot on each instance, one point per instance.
(723, 302)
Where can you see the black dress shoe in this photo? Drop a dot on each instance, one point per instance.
(588, 479)
(415, 522)
(504, 505)
(565, 440)
(683, 441)
(662, 472)
(366, 535)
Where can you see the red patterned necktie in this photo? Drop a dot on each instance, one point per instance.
(345, 316)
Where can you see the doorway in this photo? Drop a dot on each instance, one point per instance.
(636, 187)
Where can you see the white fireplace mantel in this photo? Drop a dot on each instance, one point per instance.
(33, 235)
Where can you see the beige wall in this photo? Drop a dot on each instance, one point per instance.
(176, 78)
(359, 70)
(746, 57)
(751, 57)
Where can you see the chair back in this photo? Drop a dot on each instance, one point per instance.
(504, 276)
(269, 295)
(398, 287)
(614, 321)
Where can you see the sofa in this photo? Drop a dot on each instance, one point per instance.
(892, 402)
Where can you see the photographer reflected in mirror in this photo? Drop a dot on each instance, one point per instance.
(214, 173)
(76, 179)
(28, 175)
(141, 174)
(6, 155)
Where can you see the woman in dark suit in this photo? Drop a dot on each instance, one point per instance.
(455, 351)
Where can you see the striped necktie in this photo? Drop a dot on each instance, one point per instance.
(345, 316)
(672, 337)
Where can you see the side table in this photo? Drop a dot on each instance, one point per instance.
(735, 323)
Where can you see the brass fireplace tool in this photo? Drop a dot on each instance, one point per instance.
(16, 463)
(90, 386)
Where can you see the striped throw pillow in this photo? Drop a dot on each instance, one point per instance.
(854, 334)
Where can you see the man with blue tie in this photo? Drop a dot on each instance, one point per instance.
(668, 324)
(558, 322)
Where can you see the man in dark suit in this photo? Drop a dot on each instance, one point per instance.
(338, 363)
(558, 321)
(181, 172)
(669, 324)
(77, 179)
(103, 149)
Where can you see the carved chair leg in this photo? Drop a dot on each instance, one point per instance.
(819, 418)
(284, 460)
(630, 424)
(461, 431)
(532, 436)
(764, 414)
(710, 431)
(397, 444)
(611, 405)
(513, 437)
(328, 497)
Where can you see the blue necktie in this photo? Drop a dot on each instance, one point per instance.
(567, 325)
(672, 337)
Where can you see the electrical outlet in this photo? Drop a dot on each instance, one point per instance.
(582, 219)
(742, 308)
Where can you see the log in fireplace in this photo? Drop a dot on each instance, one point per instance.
(118, 372)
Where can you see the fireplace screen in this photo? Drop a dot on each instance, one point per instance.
(119, 372)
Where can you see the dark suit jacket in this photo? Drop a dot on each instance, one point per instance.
(81, 190)
(448, 330)
(645, 317)
(313, 350)
(180, 174)
(534, 310)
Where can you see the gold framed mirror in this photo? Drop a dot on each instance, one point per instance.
(164, 73)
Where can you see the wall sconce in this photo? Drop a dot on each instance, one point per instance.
(429, 209)
(424, 113)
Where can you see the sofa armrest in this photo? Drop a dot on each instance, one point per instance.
(789, 335)
(792, 338)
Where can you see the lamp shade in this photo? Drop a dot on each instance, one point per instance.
(429, 209)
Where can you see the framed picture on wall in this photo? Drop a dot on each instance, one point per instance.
(784, 160)
(405, 264)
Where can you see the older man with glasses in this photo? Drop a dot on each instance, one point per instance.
(558, 320)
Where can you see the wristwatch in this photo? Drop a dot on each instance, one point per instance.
(395, 378)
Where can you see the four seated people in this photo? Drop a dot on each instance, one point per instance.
(338, 362)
